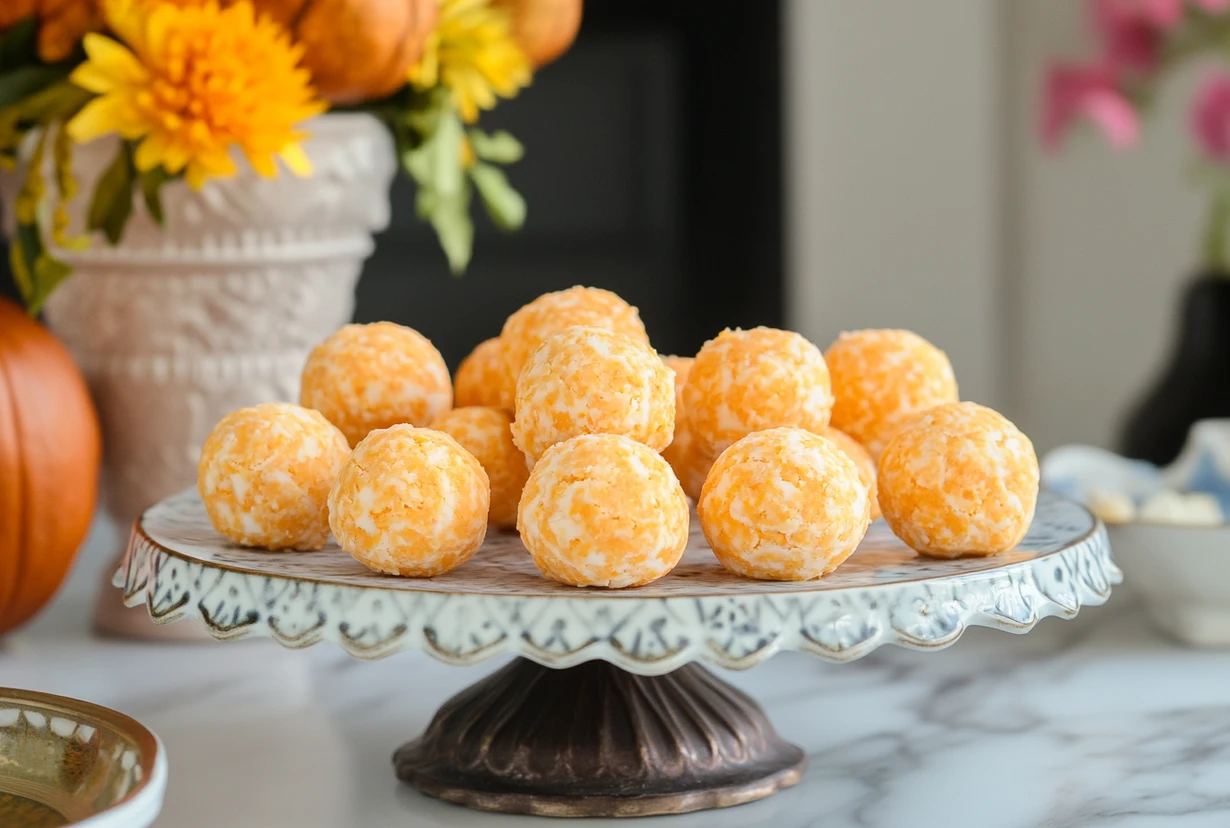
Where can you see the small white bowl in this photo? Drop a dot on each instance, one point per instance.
(1183, 573)
(69, 762)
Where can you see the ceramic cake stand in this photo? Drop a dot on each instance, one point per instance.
(606, 710)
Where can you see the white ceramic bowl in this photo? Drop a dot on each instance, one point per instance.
(1183, 573)
(69, 762)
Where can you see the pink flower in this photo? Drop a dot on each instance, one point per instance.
(1072, 92)
(1210, 117)
(1213, 6)
(1132, 31)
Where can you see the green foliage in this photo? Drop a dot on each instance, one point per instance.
(449, 163)
(36, 271)
(500, 147)
(504, 204)
(112, 202)
(151, 191)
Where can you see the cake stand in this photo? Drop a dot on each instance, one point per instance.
(606, 711)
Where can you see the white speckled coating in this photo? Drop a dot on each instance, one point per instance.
(959, 480)
(589, 380)
(784, 505)
(373, 376)
(881, 379)
(603, 510)
(265, 474)
(410, 501)
(525, 330)
(747, 381)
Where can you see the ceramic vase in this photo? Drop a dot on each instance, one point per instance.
(178, 325)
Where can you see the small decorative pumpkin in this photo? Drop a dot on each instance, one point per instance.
(544, 28)
(49, 457)
(356, 50)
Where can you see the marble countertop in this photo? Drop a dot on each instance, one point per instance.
(1098, 721)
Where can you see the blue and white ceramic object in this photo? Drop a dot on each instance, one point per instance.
(1167, 526)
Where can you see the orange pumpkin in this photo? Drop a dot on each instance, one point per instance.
(356, 50)
(544, 28)
(49, 456)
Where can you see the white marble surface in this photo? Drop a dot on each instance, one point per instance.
(1092, 722)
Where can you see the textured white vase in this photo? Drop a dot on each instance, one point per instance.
(179, 325)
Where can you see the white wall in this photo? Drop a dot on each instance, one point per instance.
(892, 180)
(1103, 242)
(918, 198)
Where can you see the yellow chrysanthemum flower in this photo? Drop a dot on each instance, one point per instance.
(192, 82)
(473, 53)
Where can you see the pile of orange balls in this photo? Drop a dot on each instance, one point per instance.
(572, 429)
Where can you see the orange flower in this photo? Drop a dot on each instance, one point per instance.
(62, 23)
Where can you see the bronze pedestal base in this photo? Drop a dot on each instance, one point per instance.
(595, 740)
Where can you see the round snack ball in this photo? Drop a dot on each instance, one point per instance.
(959, 480)
(694, 469)
(373, 376)
(410, 502)
(265, 474)
(587, 380)
(676, 453)
(480, 377)
(487, 434)
(881, 379)
(550, 313)
(746, 381)
(783, 505)
(862, 461)
(603, 510)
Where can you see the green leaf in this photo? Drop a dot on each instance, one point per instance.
(57, 102)
(447, 173)
(455, 230)
(20, 83)
(19, 45)
(112, 202)
(48, 273)
(500, 146)
(151, 184)
(424, 203)
(418, 164)
(504, 204)
(23, 251)
(36, 271)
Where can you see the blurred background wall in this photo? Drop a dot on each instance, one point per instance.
(917, 197)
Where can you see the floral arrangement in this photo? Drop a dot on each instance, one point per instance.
(1140, 43)
(189, 85)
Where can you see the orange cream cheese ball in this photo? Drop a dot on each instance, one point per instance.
(783, 505)
(603, 510)
(689, 460)
(746, 381)
(550, 313)
(959, 480)
(410, 501)
(480, 377)
(265, 474)
(695, 467)
(862, 461)
(373, 376)
(588, 380)
(677, 452)
(881, 379)
(487, 434)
